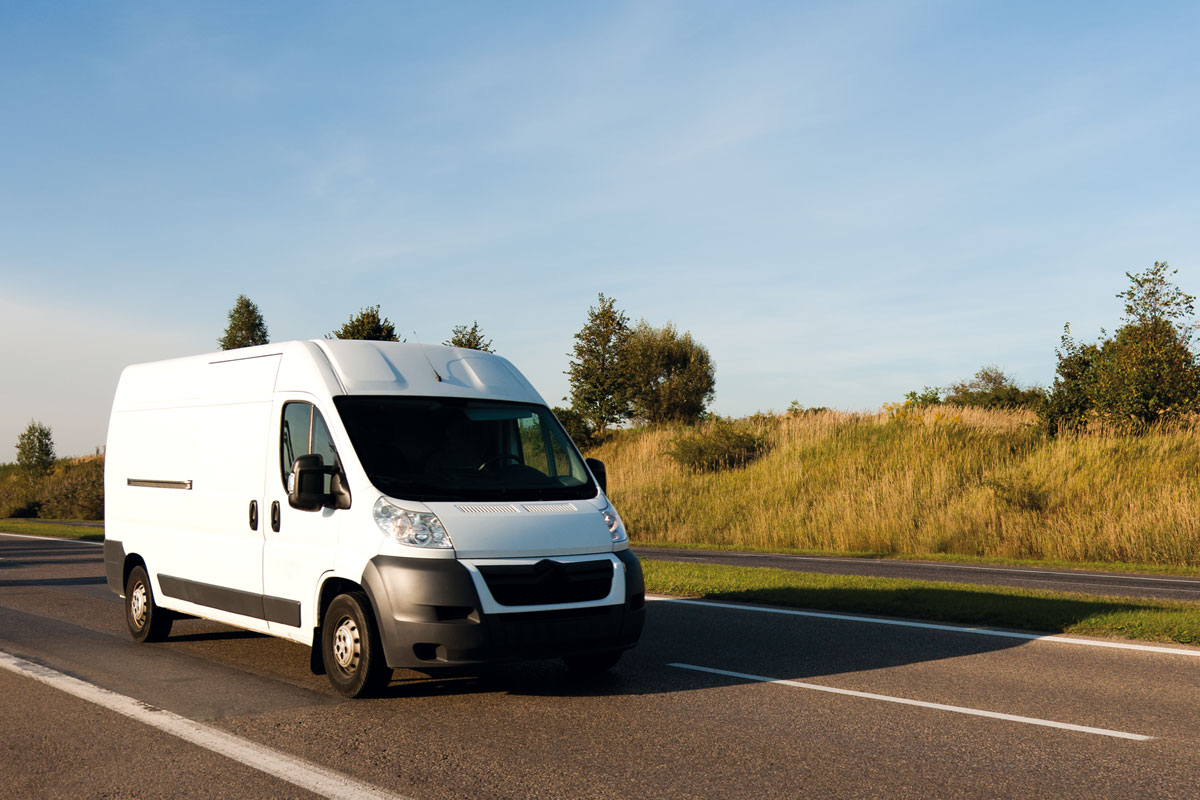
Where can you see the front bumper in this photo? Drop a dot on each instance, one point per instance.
(437, 612)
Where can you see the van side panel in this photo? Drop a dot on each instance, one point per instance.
(181, 476)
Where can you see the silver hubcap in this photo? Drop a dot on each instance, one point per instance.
(346, 645)
(137, 604)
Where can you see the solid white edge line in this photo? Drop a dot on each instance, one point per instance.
(975, 712)
(296, 771)
(50, 539)
(935, 626)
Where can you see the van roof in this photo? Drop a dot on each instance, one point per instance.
(409, 368)
(324, 367)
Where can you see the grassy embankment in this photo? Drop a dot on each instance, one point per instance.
(951, 484)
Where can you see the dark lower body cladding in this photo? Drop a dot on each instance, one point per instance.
(429, 615)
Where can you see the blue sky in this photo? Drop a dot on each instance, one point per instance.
(843, 201)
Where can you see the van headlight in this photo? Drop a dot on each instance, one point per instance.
(415, 528)
(613, 520)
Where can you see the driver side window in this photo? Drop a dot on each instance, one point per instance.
(304, 431)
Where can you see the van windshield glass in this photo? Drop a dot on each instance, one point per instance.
(445, 448)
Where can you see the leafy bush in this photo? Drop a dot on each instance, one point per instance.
(75, 490)
(716, 446)
(1145, 373)
(991, 388)
(18, 497)
(1070, 398)
(794, 409)
(929, 396)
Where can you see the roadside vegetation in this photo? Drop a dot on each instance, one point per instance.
(922, 482)
(1047, 612)
(41, 485)
(1101, 467)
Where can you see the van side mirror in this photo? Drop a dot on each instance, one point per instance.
(597, 468)
(306, 483)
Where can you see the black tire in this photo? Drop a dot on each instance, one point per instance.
(351, 648)
(147, 622)
(593, 663)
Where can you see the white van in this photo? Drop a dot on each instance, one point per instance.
(388, 504)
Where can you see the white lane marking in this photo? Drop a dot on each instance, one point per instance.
(51, 539)
(934, 626)
(975, 712)
(1116, 576)
(306, 775)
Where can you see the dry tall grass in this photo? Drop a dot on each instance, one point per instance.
(969, 482)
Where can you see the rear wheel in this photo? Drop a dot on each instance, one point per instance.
(593, 663)
(147, 622)
(351, 648)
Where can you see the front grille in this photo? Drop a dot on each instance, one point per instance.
(548, 582)
(557, 628)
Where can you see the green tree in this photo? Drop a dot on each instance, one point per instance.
(597, 371)
(1153, 297)
(670, 375)
(366, 324)
(991, 388)
(246, 326)
(35, 450)
(1144, 373)
(470, 338)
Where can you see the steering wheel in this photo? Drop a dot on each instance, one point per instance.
(499, 458)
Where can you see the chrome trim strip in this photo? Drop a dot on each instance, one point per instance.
(159, 484)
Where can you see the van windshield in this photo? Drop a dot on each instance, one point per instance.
(445, 448)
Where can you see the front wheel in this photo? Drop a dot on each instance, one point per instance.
(147, 622)
(593, 663)
(351, 648)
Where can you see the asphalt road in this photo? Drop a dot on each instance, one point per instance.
(1116, 584)
(865, 710)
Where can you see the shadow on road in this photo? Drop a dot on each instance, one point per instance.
(772, 645)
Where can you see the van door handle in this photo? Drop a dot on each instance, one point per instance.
(275, 516)
(253, 515)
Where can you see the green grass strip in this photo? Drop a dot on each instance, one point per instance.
(942, 558)
(30, 528)
(1025, 609)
